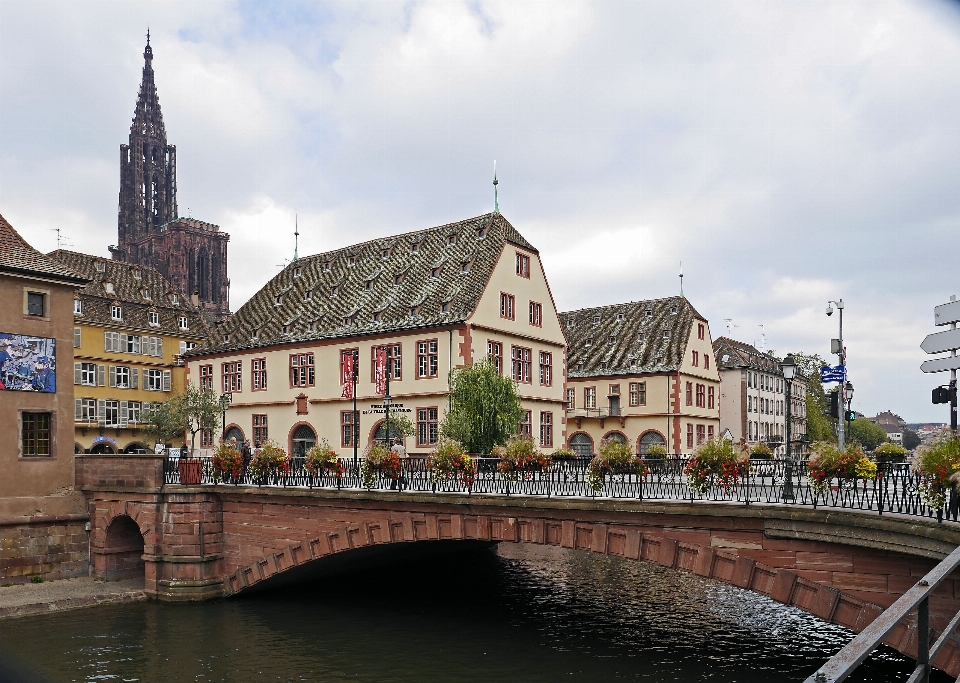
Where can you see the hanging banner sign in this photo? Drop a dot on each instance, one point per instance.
(380, 370)
(346, 379)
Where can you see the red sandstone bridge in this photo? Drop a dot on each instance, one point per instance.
(844, 558)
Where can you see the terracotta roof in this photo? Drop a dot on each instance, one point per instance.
(635, 337)
(731, 354)
(405, 282)
(129, 284)
(17, 256)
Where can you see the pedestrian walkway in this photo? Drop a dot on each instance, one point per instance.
(25, 599)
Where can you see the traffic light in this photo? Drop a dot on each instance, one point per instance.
(849, 415)
(835, 404)
(944, 394)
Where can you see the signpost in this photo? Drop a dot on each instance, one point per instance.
(945, 314)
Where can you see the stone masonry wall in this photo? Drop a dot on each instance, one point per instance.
(50, 550)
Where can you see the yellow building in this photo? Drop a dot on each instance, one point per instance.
(131, 329)
(435, 299)
(642, 373)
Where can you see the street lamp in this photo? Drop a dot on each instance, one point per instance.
(225, 401)
(848, 396)
(789, 368)
(838, 349)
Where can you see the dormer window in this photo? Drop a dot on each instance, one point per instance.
(307, 295)
(100, 266)
(136, 273)
(278, 301)
(326, 266)
(596, 320)
(673, 310)
(414, 311)
(146, 294)
(335, 291)
(255, 334)
(435, 272)
(397, 279)
(351, 261)
(588, 342)
(77, 307)
(385, 252)
(613, 339)
(174, 299)
(226, 337)
(570, 324)
(649, 312)
(376, 316)
(116, 312)
(368, 285)
(108, 287)
(619, 317)
(481, 233)
(603, 365)
(666, 334)
(464, 266)
(579, 367)
(154, 318)
(182, 323)
(297, 272)
(286, 329)
(445, 307)
(350, 319)
(313, 326)
(451, 240)
(415, 248)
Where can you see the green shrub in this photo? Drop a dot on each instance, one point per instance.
(613, 457)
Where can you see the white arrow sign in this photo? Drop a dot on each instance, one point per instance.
(941, 341)
(944, 314)
(941, 364)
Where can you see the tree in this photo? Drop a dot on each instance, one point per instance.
(868, 434)
(485, 407)
(164, 421)
(199, 410)
(910, 439)
(819, 427)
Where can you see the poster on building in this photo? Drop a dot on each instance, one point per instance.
(28, 363)
(346, 375)
(380, 370)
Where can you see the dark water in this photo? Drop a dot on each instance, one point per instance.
(520, 614)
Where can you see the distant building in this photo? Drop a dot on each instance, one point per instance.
(640, 372)
(892, 424)
(753, 396)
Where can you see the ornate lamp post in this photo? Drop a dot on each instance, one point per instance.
(848, 396)
(842, 355)
(225, 401)
(789, 368)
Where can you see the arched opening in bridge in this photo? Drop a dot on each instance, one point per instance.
(648, 440)
(304, 438)
(380, 433)
(582, 445)
(122, 554)
(234, 432)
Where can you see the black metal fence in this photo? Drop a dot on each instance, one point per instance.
(895, 488)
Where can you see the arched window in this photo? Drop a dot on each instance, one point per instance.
(234, 432)
(304, 438)
(616, 436)
(582, 445)
(651, 439)
(381, 433)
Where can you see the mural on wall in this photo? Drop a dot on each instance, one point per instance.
(28, 363)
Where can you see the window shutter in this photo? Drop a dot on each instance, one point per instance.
(77, 373)
(76, 337)
(134, 378)
(101, 375)
(113, 376)
(124, 415)
(183, 347)
(107, 345)
(159, 347)
(101, 411)
(77, 410)
(166, 380)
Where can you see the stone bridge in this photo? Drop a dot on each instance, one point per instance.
(208, 541)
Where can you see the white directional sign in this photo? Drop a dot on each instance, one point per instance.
(944, 314)
(941, 341)
(941, 364)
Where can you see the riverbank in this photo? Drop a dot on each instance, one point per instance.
(27, 599)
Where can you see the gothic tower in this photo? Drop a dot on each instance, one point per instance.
(191, 254)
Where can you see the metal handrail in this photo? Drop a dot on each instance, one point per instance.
(869, 639)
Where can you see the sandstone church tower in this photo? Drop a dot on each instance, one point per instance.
(191, 254)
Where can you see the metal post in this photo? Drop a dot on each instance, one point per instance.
(788, 494)
(953, 403)
(356, 415)
(387, 401)
(923, 639)
(843, 362)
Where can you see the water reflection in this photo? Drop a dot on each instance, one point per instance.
(523, 613)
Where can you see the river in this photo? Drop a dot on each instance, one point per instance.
(520, 613)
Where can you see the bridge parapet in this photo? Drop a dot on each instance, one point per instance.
(119, 472)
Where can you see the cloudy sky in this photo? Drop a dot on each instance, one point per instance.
(786, 152)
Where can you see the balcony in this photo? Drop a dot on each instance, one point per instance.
(580, 414)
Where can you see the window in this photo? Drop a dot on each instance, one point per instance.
(133, 411)
(507, 306)
(546, 369)
(35, 432)
(77, 307)
(638, 393)
(100, 266)
(536, 314)
(520, 361)
(546, 430)
(427, 420)
(109, 415)
(435, 272)
(206, 438)
(77, 337)
(182, 323)
(614, 390)
(346, 428)
(302, 370)
(153, 380)
(116, 312)
(232, 381)
(451, 240)
(495, 351)
(696, 358)
(130, 343)
(335, 291)
(85, 374)
(108, 287)
(523, 265)
(120, 377)
(590, 397)
(259, 430)
(701, 433)
(701, 330)
(154, 318)
(689, 435)
(596, 320)
(86, 410)
(351, 261)
(136, 273)
(308, 295)
(152, 346)
(297, 272)
(187, 346)
(689, 393)
(174, 299)
(525, 428)
(706, 361)
(397, 279)
(571, 399)
(258, 377)
(701, 396)
(206, 378)
(711, 398)
(146, 294)
(464, 267)
(394, 361)
(427, 361)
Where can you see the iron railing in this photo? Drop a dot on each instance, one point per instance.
(895, 488)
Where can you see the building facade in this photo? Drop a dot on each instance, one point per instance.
(434, 300)
(130, 330)
(191, 254)
(41, 518)
(753, 396)
(642, 373)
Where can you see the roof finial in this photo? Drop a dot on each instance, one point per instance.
(148, 34)
(148, 51)
(296, 237)
(496, 202)
(681, 278)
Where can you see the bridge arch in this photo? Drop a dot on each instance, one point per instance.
(122, 552)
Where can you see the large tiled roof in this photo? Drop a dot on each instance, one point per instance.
(130, 283)
(370, 288)
(17, 256)
(732, 354)
(635, 337)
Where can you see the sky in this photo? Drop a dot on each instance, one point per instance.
(787, 153)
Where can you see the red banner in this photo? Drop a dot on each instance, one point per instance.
(380, 370)
(346, 379)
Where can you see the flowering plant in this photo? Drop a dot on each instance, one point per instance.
(939, 468)
(321, 458)
(227, 463)
(449, 459)
(563, 454)
(613, 457)
(379, 458)
(889, 452)
(270, 460)
(657, 451)
(761, 451)
(720, 462)
(828, 462)
(520, 457)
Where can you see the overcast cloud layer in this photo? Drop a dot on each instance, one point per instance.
(787, 152)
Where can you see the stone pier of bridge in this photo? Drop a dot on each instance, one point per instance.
(204, 542)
